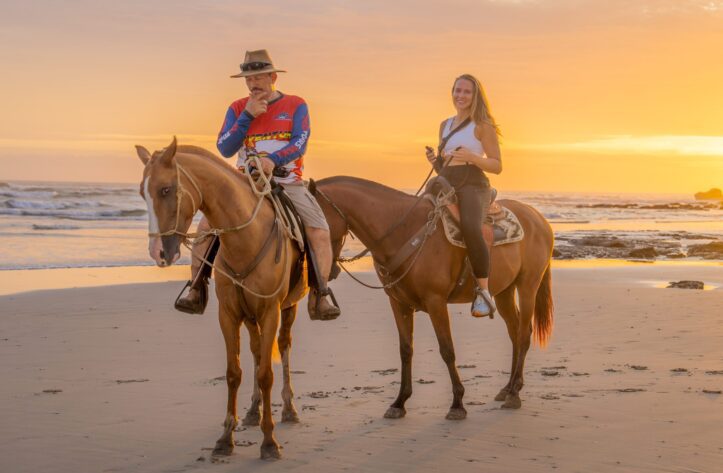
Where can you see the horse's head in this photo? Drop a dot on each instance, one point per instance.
(169, 214)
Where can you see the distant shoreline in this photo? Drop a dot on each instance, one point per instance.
(25, 280)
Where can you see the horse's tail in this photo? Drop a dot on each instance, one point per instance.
(544, 309)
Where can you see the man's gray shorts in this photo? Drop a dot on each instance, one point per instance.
(307, 206)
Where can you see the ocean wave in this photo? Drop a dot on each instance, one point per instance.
(123, 214)
(51, 205)
(19, 194)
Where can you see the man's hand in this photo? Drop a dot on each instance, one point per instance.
(257, 103)
(267, 165)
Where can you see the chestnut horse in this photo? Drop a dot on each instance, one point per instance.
(177, 182)
(370, 210)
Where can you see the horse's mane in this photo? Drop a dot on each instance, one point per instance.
(364, 183)
(210, 158)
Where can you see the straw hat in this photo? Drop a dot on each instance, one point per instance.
(257, 62)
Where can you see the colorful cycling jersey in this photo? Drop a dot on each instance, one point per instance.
(282, 132)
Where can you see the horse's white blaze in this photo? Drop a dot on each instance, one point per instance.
(154, 242)
(152, 219)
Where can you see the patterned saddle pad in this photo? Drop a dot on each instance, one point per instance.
(506, 227)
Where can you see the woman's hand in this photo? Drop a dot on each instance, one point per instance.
(462, 155)
(430, 154)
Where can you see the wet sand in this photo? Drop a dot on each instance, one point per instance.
(111, 378)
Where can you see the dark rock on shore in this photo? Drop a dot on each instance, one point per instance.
(647, 252)
(686, 285)
(608, 245)
(712, 250)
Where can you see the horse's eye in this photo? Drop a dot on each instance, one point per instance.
(165, 191)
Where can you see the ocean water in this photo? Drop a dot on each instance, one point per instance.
(62, 225)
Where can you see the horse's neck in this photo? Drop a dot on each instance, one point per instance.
(371, 214)
(227, 201)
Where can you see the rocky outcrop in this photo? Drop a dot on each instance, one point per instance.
(667, 245)
(647, 253)
(712, 250)
(713, 194)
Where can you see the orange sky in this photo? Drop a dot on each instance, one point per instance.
(613, 96)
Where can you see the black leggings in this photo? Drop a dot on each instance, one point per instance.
(474, 201)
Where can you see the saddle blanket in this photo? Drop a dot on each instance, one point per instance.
(506, 228)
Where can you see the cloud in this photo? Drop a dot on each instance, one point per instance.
(689, 145)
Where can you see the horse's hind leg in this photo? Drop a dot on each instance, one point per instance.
(230, 327)
(253, 414)
(440, 321)
(288, 414)
(404, 317)
(524, 334)
(507, 308)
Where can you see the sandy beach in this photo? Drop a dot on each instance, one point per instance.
(111, 378)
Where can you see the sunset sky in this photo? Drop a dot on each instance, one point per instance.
(590, 95)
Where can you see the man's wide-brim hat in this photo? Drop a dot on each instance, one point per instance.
(257, 62)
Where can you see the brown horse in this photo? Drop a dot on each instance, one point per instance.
(177, 182)
(370, 210)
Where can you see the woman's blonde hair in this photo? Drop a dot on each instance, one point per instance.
(480, 110)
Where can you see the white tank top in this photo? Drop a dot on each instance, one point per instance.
(464, 137)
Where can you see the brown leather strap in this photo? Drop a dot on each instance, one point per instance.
(405, 251)
(259, 256)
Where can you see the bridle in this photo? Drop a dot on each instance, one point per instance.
(189, 238)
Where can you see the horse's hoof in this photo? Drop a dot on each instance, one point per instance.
(290, 416)
(457, 413)
(222, 449)
(395, 413)
(270, 452)
(512, 401)
(252, 419)
(502, 395)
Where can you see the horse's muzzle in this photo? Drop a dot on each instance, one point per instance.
(171, 250)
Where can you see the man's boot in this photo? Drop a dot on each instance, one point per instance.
(320, 308)
(197, 298)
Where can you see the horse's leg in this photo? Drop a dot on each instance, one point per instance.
(404, 317)
(440, 321)
(527, 293)
(230, 326)
(507, 308)
(253, 414)
(288, 414)
(269, 325)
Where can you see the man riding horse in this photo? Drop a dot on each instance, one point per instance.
(275, 127)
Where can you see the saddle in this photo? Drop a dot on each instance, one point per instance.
(292, 220)
(500, 226)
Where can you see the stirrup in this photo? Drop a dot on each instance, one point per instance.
(490, 304)
(183, 304)
(331, 313)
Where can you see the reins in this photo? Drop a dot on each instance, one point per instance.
(432, 219)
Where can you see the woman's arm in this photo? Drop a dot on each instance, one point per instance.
(491, 161)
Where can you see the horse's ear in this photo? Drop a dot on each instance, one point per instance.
(143, 154)
(167, 157)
